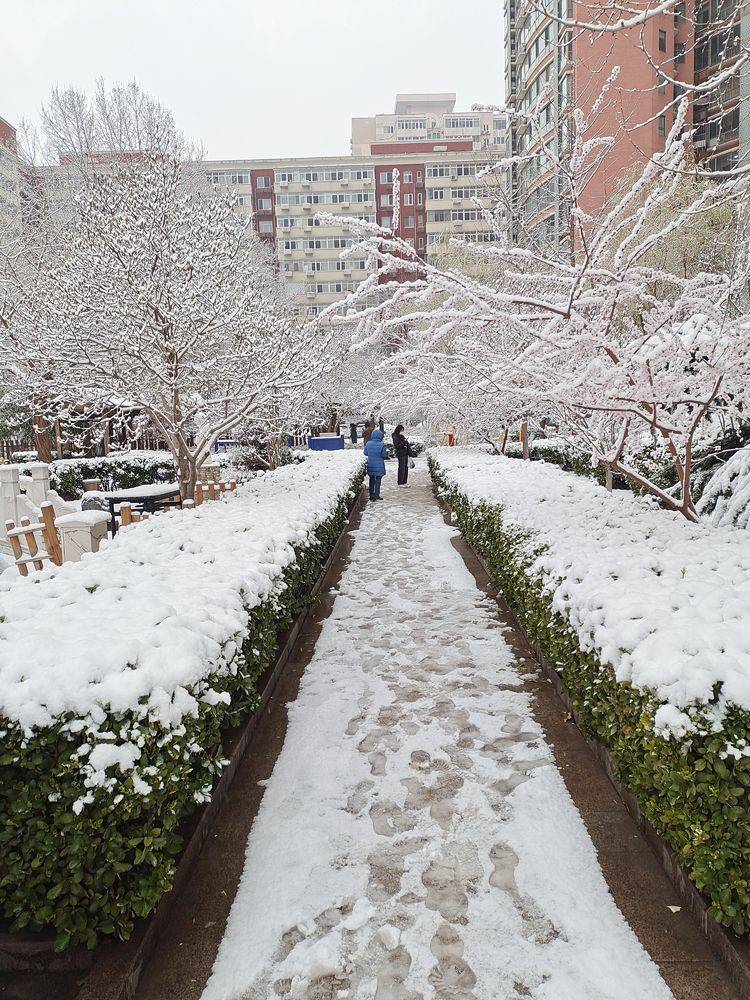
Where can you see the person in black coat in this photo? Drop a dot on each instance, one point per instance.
(401, 447)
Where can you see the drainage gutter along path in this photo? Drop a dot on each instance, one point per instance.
(431, 826)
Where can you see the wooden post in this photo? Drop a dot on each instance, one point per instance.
(233, 485)
(126, 514)
(17, 550)
(199, 497)
(31, 543)
(50, 533)
(524, 435)
(212, 491)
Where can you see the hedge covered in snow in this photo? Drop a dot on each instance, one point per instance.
(116, 472)
(646, 618)
(118, 675)
(725, 500)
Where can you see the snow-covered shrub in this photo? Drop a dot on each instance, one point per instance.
(118, 675)
(561, 453)
(725, 499)
(646, 618)
(116, 472)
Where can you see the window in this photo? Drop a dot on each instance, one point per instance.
(262, 182)
(228, 179)
(407, 177)
(438, 170)
(454, 122)
(662, 122)
(387, 221)
(679, 53)
(386, 200)
(265, 226)
(419, 177)
(409, 222)
(662, 88)
(420, 198)
(411, 124)
(386, 177)
(264, 204)
(243, 199)
(421, 242)
(662, 41)
(436, 193)
(408, 199)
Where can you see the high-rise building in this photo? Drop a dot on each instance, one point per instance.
(721, 114)
(438, 153)
(552, 68)
(10, 180)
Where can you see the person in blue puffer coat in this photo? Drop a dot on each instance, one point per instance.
(376, 454)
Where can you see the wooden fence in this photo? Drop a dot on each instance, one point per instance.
(9, 448)
(34, 543)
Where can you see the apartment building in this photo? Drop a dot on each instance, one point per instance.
(438, 154)
(550, 68)
(10, 180)
(721, 115)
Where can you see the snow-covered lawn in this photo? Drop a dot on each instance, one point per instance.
(415, 839)
(664, 602)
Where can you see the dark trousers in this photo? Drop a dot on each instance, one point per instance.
(403, 469)
(375, 482)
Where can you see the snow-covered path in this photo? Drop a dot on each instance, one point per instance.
(416, 839)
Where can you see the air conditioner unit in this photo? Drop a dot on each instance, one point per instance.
(347, 272)
(305, 184)
(310, 293)
(456, 201)
(344, 183)
(283, 184)
(309, 251)
(458, 223)
(367, 181)
(344, 204)
(287, 253)
(307, 207)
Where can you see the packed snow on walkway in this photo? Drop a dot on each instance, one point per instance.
(415, 839)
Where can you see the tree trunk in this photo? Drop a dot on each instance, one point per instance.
(525, 439)
(187, 473)
(608, 476)
(42, 438)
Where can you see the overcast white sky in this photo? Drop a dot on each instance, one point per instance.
(252, 79)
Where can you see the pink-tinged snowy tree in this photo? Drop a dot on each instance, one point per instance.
(160, 298)
(610, 339)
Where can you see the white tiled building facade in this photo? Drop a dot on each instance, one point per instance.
(438, 154)
(10, 180)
